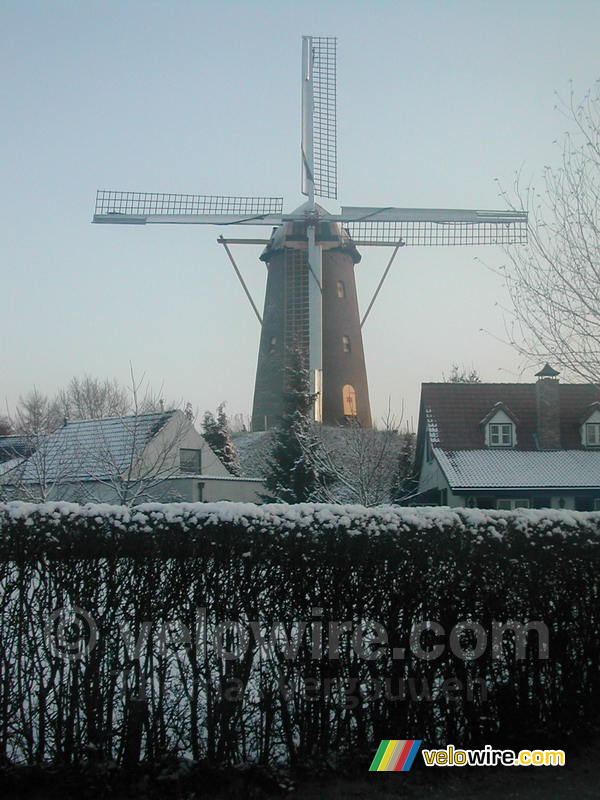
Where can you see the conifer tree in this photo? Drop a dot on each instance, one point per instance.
(217, 435)
(293, 472)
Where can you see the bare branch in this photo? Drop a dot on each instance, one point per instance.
(554, 282)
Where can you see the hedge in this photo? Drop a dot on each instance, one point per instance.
(281, 634)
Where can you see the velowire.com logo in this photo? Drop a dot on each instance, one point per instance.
(395, 755)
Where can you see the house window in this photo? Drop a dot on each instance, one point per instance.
(510, 504)
(272, 345)
(349, 396)
(346, 344)
(592, 434)
(190, 461)
(501, 435)
(341, 290)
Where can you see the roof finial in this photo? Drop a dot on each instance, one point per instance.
(547, 372)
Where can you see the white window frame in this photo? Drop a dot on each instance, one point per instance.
(592, 441)
(504, 434)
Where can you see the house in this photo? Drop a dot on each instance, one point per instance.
(13, 451)
(132, 459)
(506, 445)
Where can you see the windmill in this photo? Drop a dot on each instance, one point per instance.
(310, 300)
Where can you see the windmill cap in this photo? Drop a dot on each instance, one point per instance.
(547, 372)
(292, 234)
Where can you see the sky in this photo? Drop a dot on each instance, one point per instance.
(437, 101)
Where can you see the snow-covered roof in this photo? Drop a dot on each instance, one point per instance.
(14, 446)
(520, 469)
(207, 478)
(8, 466)
(93, 448)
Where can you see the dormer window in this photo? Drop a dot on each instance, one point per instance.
(500, 427)
(501, 435)
(592, 434)
(590, 426)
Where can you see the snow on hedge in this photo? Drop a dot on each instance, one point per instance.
(316, 518)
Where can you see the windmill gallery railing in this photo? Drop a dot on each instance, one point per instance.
(271, 634)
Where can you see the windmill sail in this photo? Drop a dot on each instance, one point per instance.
(310, 299)
(319, 116)
(141, 208)
(433, 226)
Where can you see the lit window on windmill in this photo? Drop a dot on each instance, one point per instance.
(349, 395)
(272, 345)
(341, 290)
(346, 344)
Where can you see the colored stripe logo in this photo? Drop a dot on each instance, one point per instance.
(395, 755)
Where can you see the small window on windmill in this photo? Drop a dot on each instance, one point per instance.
(272, 345)
(190, 461)
(341, 290)
(349, 395)
(346, 344)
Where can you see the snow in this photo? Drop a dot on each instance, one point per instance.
(508, 469)
(317, 519)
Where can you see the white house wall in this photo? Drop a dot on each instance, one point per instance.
(164, 449)
(432, 477)
(184, 489)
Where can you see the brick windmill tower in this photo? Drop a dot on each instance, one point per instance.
(311, 302)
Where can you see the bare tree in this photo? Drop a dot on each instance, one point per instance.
(151, 457)
(5, 427)
(90, 398)
(462, 374)
(554, 282)
(36, 414)
(364, 465)
(125, 458)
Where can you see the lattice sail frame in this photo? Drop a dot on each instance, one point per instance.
(325, 116)
(421, 233)
(156, 203)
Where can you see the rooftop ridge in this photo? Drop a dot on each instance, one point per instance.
(122, 417)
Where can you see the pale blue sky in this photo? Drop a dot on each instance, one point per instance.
(435, 101)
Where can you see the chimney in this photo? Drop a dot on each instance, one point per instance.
(548, 408)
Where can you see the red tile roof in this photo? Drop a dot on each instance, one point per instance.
(454, 411)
